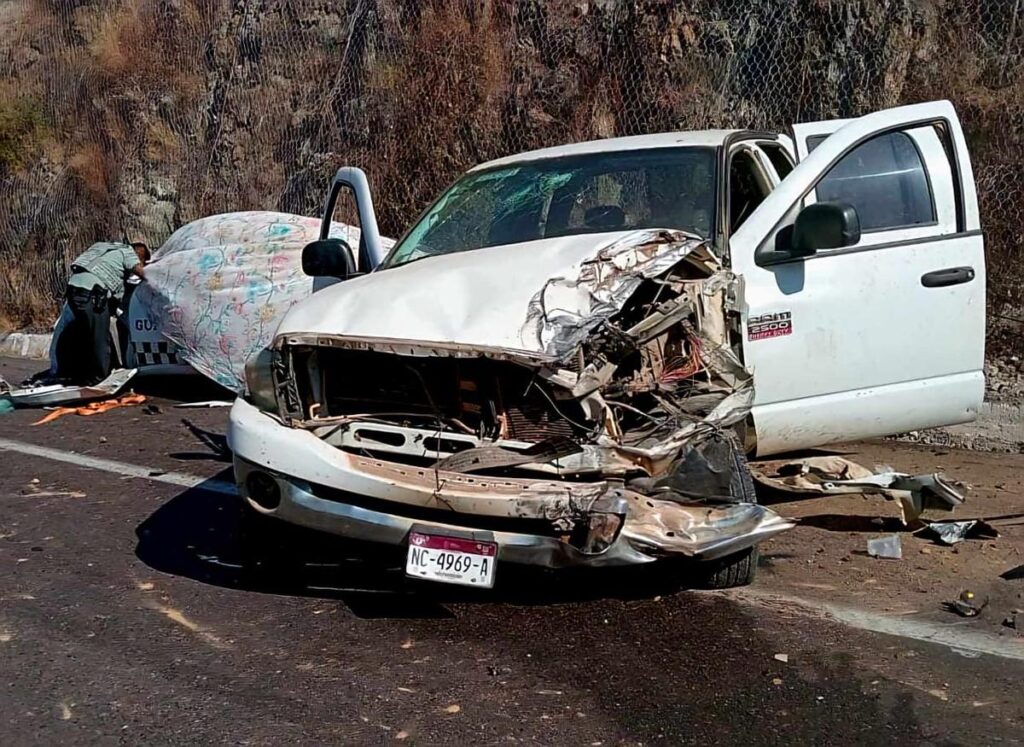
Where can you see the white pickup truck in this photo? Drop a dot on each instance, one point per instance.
(564, 360)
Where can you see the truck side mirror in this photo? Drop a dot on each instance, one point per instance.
(824, 225)
(328, 258)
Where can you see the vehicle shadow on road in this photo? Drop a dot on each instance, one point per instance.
(216, 445)
(853, 523)
(200, 535)
(193, 388)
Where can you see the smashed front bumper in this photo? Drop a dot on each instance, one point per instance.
(550, 523)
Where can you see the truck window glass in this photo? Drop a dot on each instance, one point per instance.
(779, 157)
(884, 179)
(571, 195)
(746, 190)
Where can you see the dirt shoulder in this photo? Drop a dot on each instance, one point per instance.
(825, 557)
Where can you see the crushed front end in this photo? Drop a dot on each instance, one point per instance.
(607, 438)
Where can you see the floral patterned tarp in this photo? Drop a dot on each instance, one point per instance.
(220, 285)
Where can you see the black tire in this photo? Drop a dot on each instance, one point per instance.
(731, 571)
(738, 569)
(744, 477)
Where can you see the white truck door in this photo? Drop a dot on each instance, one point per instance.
(883, 333)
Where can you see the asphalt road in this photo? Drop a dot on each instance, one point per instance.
(125, 618)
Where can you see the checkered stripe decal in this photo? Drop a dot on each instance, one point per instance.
(154, 353)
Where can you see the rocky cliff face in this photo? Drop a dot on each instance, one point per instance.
(145, 114)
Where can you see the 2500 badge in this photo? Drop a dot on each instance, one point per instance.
(775, 324)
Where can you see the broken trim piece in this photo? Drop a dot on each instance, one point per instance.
(61, 394)
(833, 475)
(415, 348)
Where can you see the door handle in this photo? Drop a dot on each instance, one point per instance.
(948, 276)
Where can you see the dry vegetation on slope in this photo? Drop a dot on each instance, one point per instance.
(136, 116)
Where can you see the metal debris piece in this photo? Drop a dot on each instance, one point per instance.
(834, 475)
(967, 604)
(952, 532)
(489, 457)
(699, 530)
(567, 310)
(808, 475)
(59, 394)
(886, 547)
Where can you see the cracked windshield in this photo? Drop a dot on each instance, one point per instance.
(587, 193)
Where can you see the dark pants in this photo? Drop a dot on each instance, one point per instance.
(83, 352)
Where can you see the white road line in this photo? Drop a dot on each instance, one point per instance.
(953, 635)
(182, 479)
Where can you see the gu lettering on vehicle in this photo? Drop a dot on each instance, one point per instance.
(775, 324)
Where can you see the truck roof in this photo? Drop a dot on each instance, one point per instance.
(707, 138)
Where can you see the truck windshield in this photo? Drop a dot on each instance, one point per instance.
(588, 193)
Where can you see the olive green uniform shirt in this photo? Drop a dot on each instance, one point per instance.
(105, 264)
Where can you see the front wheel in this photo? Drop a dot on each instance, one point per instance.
(731, 571)
(739, 568)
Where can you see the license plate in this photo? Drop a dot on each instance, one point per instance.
(451, 560)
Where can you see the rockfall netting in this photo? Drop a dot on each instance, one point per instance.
(134, 117)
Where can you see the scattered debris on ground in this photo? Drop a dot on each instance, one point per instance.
(49, 395)
(952, 532)
(886, 547)
(835, 475)
(93, 408)
(824, 558)
(968, 604)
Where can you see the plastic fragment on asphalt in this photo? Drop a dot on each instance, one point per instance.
(888, 547)
(93, 408)
(952, 532)
(784, 658)
(58, 394)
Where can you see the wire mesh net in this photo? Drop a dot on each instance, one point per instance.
(129, 118)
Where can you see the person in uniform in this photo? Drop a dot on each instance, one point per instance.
(96, 286)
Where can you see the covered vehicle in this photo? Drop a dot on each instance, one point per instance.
(217, 289)
(565, 360)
